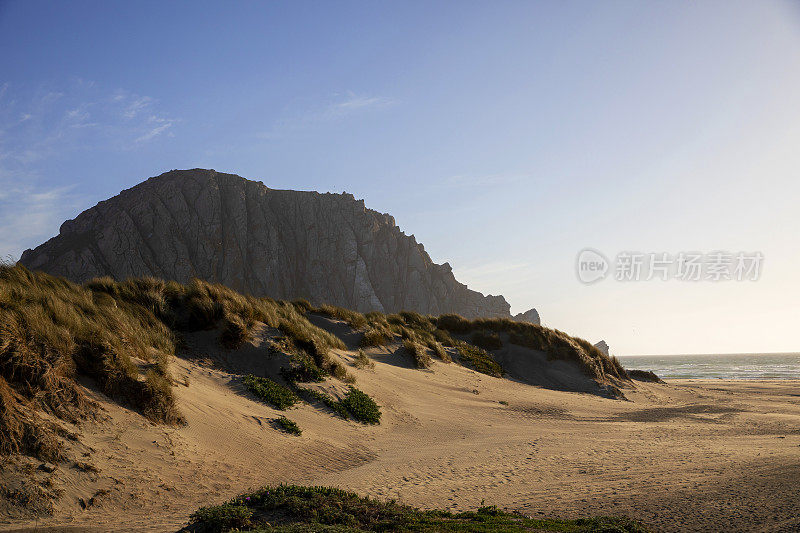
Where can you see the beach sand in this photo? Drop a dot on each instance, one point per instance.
(681, 456)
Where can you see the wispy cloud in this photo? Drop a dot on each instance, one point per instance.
(31, 214)
(138, 104)
(155, 131)
(339, 108)
(355, 102)
(40, 124)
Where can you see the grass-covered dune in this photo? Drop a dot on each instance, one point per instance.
(291, 508)
(121, 335)
(421, 333)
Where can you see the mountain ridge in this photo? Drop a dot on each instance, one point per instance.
(285, 244)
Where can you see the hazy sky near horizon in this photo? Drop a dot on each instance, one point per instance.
(506, 136)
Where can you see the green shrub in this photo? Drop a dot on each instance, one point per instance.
(271, 392)
(362, 407)
(355, 403)
(219, 518)
(296, 508)
(479, 359)
(289, 426)
(312, 395)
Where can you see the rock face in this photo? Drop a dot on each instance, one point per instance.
(602, 346)
(283, 244)
(531, 315)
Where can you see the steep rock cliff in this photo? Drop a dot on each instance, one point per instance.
(278, 243)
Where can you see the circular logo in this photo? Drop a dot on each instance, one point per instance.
(592, 266)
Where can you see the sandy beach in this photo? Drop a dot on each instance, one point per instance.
(682, 456)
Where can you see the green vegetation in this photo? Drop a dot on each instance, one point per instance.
(295, 508)
(221, 518)
(302, 368)
(289, 426)
(122, 335)
(478, 359)
(355, 404)
(271, 392)
(362, 407)
(312, 395)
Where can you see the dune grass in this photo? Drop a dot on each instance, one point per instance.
(418, 353)
(297, 508)
(355, 319)
(122, 335)
(556, 344)
(488, 340)
(51, 330)
(644, 375)
(362, 361)
(484, 334)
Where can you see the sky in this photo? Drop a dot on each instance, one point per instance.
(506, 136)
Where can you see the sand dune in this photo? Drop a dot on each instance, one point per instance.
(682, 456)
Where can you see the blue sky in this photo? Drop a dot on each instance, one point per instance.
(506, 136)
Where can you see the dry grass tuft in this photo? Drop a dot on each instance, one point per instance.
(353, 318)
(362, 361)
(488, 340)
(418, 352)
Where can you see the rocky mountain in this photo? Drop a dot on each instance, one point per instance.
(279, 243)
(602, 346)
(531, 315)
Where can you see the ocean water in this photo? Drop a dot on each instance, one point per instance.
(723, 366)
